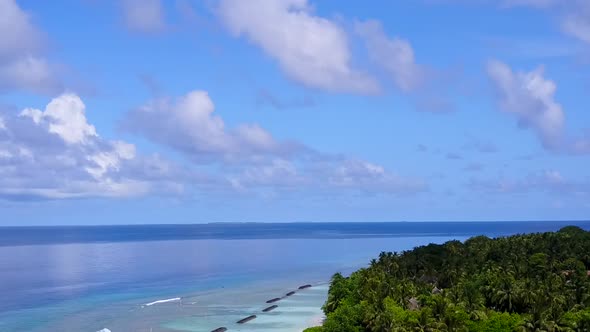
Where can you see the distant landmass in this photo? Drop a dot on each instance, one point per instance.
(14, 235)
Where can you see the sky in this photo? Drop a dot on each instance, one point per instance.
(180, 111)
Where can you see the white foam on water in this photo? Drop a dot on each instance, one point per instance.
(293, 314)
(175, 299)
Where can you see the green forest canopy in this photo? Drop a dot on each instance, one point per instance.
(531, 282)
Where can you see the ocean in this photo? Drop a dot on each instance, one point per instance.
(198, 277)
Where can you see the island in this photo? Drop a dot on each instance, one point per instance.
(527, 282)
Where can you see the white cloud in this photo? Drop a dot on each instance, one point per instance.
(19, 36)
(28, 73)
(144, 15)
(107, 160)
(57, 154)
(190, 125)
(395, 55)
(65, 117)
(21, 67)
(249, 157)
(310, 49)
(530, 97)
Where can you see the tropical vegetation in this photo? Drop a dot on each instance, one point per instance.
(530, 282)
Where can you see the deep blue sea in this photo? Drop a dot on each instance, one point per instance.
(197, 277)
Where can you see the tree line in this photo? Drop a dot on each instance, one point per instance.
(528, 282)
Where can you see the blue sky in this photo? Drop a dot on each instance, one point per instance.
(120, 112)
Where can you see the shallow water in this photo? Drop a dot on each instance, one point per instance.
(56, 286)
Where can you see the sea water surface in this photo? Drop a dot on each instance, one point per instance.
(197, 277)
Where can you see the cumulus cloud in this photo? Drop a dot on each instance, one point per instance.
(310, 49)
(21, 66)
(249, 157)
(530, 97)
(189, 124)
(55, 154)
(146, 16)
(64, 116)
(395, 55)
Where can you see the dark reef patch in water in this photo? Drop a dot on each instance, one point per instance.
(272, 307)
(247, 319)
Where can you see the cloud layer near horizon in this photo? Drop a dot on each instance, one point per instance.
(249, 155)
(54, 153)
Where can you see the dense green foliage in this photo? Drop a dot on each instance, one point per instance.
(533, 282)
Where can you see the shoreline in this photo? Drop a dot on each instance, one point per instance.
(209, 300)
(208, 310)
